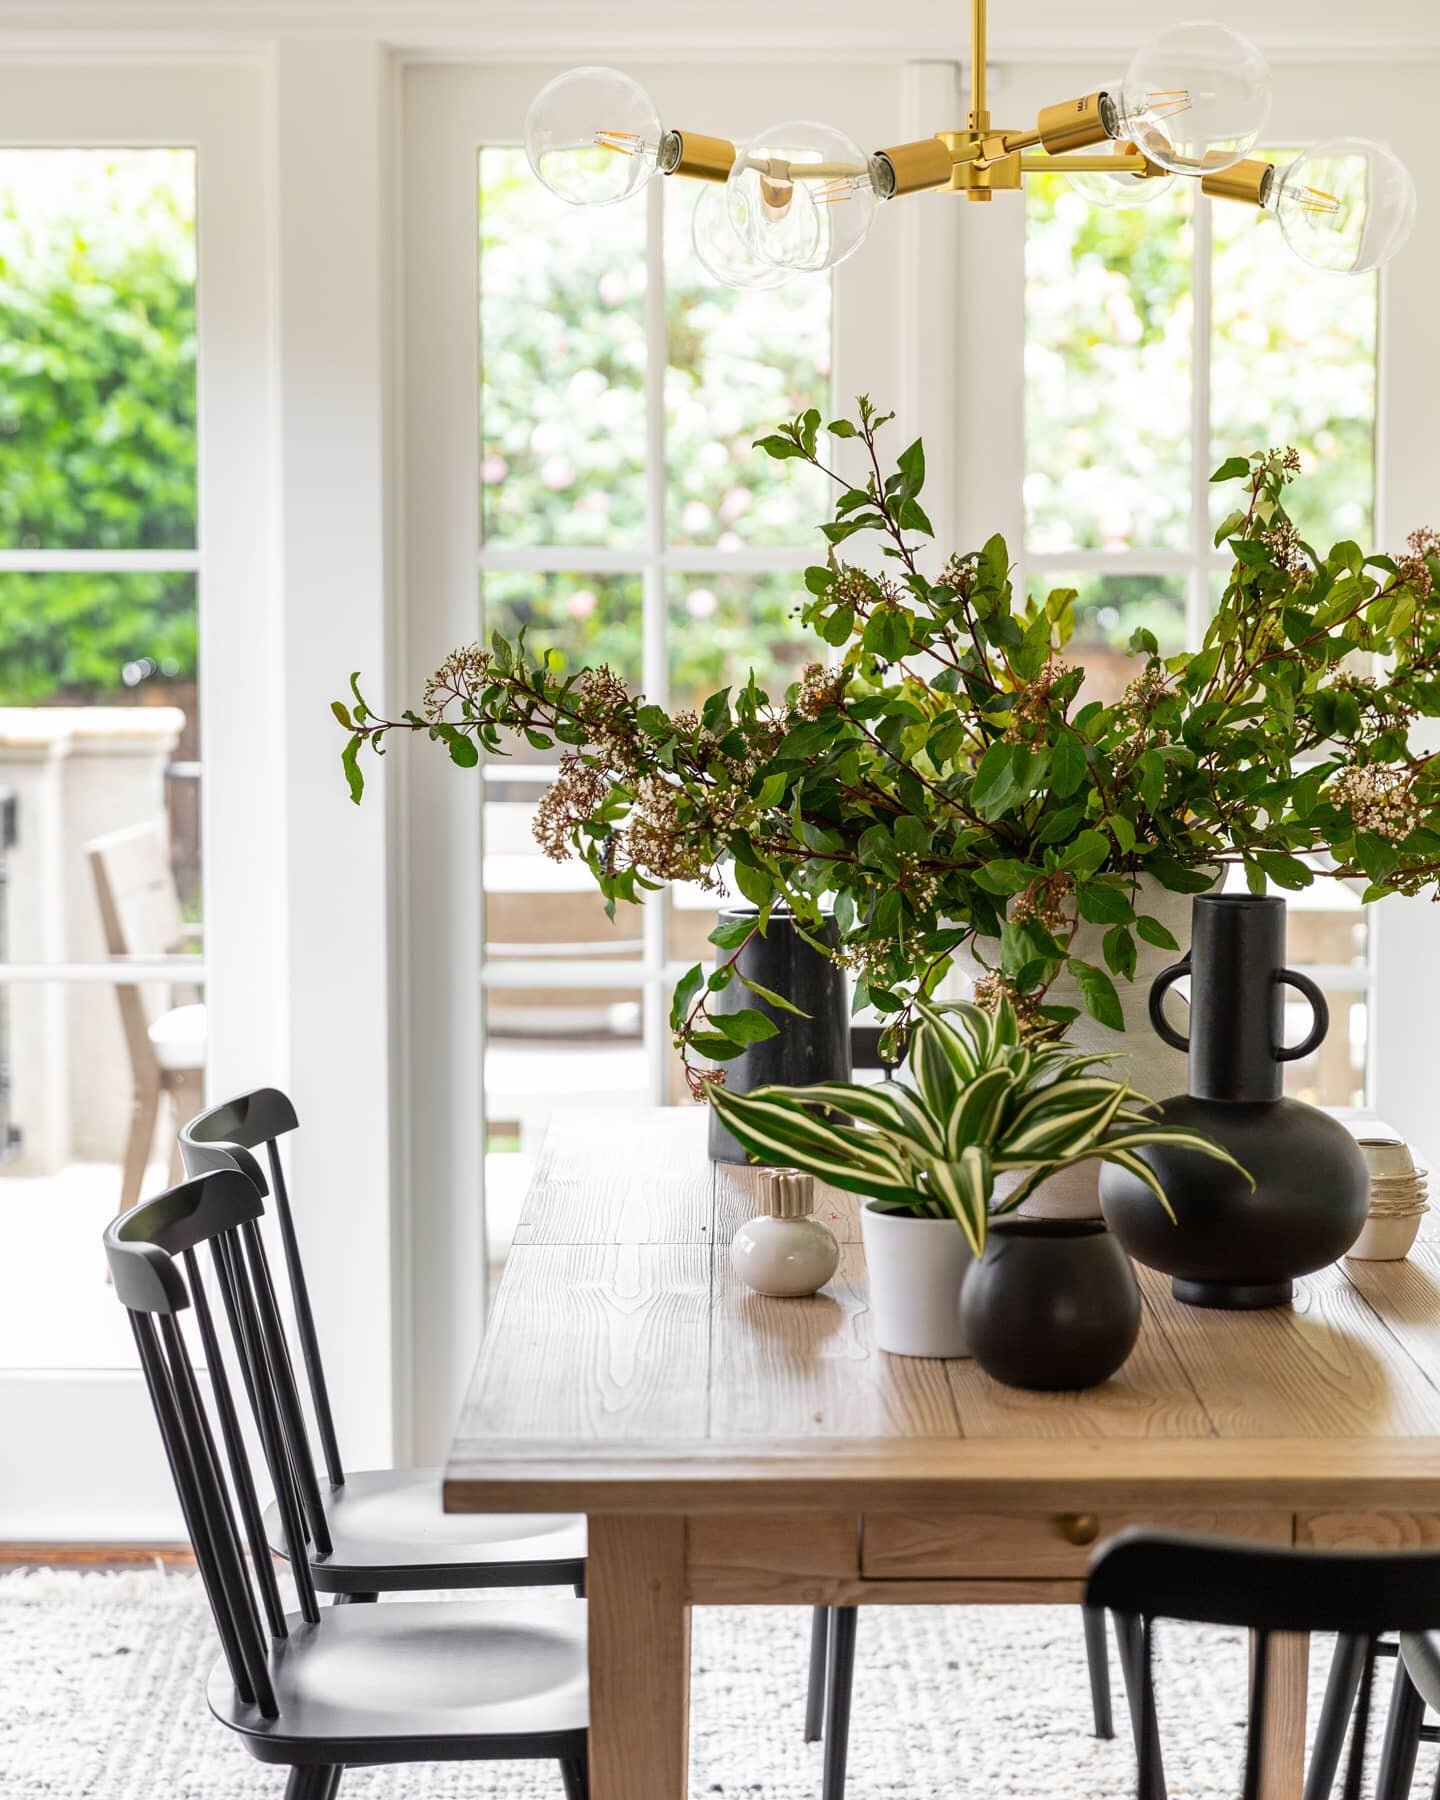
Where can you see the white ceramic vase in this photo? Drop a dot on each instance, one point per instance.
(1151, 1066)
(784, 1252)
(915, 1268)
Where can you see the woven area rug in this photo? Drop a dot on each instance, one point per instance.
(102, 1677)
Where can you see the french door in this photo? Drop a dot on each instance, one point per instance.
(134, 598)
(580, 403)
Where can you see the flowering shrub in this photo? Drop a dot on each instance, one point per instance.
(941, 777)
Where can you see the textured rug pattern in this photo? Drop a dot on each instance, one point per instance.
(102, 1678)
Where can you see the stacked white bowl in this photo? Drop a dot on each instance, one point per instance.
(1397, 1201)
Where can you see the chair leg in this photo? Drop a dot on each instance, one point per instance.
(840, 1682)
(575, 1773)
(144, 1110)
(1340, 1691)
(815, 1690)
(312, 1781)
(1402, 1738)
(1097, 1656)
(1127, 1641)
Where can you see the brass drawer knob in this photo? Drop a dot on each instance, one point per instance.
(1079, 1528)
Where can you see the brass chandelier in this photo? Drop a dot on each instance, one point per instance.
(800, 197)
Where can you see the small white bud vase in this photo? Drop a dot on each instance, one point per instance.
(784, 1251)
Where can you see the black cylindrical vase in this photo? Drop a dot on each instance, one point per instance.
(806, 1050)
(1232, 1244)
(1053, 1304)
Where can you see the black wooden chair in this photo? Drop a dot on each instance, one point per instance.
(1142, 1576)
(372, 1531)
(352, 1686)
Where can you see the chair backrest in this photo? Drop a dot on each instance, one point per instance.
(153, 1252)
(227, 1136)
(1149, 1575)
(139, 916)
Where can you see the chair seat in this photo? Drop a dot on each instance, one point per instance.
(178, 1037)
(1421, 1651)
(389, 1531)
(421, 1681)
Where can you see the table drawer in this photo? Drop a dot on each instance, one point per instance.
(939, 1546)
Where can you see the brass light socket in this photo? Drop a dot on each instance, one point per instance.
(918, 166)
(1073, 124)
(1249, 181)
(703, 158)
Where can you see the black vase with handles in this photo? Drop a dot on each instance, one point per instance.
(806, 1050)
(1232, 1245)
(1053, 1304)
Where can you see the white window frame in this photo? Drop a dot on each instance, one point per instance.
(450, 111)
(216, 108)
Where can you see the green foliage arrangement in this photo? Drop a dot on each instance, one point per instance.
(942, 777)
(984, 1102)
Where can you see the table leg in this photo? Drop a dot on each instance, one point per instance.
(639, 1659)
(1282, 1766)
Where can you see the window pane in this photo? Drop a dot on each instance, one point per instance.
(723, 626)
(584, 619)
(562, 360)
(740, 362)
(97, 349)
(1108, 608)
(1293, 362)
(1107, 371)
(60, 1180)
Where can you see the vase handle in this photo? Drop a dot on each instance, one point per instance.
(1158, 990)
(1321, 1024)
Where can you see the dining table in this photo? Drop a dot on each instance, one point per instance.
(730, 1449)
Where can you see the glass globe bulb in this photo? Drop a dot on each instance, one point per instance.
(1195, 98)
(1122, 189)
(802, 196)
(1347, 205)
(721, 251)
(593, 136)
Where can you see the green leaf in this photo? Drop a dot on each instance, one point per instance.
(1120, 953)
(1086, 854)
(1155, 933)
(1102, 903)
(748, 1026)
(771, 997)
(686, 989)
(1232, 469)
(1067, 765)
(717, 1047)
(754, 884)
(463, 751)
(1284, 870)
(911, 464)
(349, 761)
(731, 935)
(342, 713)
(1098, 992)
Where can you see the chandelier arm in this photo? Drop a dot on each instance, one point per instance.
(979, 118)
(1076, 164)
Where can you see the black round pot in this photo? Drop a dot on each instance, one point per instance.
(1231, 1245)
(804, 1051)
(1053, 1304)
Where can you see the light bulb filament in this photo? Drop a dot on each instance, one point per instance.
(1316, 200)
(624, 143)
(1164, 103)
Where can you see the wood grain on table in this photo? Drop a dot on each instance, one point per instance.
(624, 1352)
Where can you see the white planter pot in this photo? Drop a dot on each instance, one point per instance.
(1151, 1066)
(915, 1268)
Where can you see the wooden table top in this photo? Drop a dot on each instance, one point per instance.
(626, 1369)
